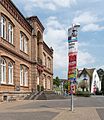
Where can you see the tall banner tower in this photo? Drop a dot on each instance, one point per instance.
(72, 58)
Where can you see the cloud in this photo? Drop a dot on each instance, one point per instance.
(55, 32)
(56, 36)
(64, 3)
(47, 4)
(85, 58)
(83, 44)
(52, 22)
(92, 27)
(89, 21)
(85, 18)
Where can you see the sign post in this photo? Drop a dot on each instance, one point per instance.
(72, 56)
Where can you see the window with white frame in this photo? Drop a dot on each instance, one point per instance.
(25, 45)
(10, 33)
(21, 75)
(10, 73)
(44, 59)
(21, 41)
(3, 27)
(49, 63)
(38, 80)
(26, 77)
(3, 70)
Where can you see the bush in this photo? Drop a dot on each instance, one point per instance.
(42, 88)
(98, 93)
(38, 87)
(83, 93)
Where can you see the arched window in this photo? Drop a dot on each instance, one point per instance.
(44, 59)
(48, 83)
(44, 81)
(39, 37)
(26, 76)
(10, 73)
(25, 45)
(3, 27)
(49, 63)
(10, 33)
(21, 75)
(23, 42)
(3, 70)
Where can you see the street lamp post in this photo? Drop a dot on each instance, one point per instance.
(72, 56)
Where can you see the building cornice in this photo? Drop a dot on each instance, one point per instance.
(13, 10)
(47, 49)
(16, 53)
(35, 18)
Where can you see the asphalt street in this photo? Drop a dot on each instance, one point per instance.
(47, 109)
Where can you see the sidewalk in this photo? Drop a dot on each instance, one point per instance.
(83, 113)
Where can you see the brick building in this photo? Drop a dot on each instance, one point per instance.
(25, 59)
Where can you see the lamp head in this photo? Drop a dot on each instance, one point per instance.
(76, 25)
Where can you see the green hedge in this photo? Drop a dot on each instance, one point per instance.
(83, 93)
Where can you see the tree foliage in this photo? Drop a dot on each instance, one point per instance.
(56, 81)
(66, 85)
(100, 73)
(101, 76)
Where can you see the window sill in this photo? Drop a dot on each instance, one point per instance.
(11, 84)
(24, 86)
(5, 40)
(24, 53)
(5, 84)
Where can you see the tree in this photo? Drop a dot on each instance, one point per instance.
(101, 76)
(100, 73)
(66, 85)
(83, 84)
(102, 85)
(56, 81)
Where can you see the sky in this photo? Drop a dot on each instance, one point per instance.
(57, 16)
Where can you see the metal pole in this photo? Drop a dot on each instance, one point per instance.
(72, 100)
(72, 103)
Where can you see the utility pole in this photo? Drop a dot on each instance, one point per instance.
(72, 56)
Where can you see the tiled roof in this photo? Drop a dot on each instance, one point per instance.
(88, 71)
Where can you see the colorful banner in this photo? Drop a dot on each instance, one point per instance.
(72, 67)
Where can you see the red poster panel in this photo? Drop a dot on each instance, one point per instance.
(72, 58)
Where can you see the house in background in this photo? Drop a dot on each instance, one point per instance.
(91, 78)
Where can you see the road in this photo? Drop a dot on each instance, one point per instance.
(47, 109)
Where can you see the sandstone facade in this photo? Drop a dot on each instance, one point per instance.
(25, 60)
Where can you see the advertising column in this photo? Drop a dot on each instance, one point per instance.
(72, 56)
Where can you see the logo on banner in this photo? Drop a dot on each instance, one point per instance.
(72, 39)
(73, 47)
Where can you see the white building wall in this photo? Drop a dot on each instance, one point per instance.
(95, 79)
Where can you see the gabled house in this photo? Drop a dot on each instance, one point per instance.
(90, 78)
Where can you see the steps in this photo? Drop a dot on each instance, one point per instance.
(44, 95)
(31, 96)
(50, 95)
